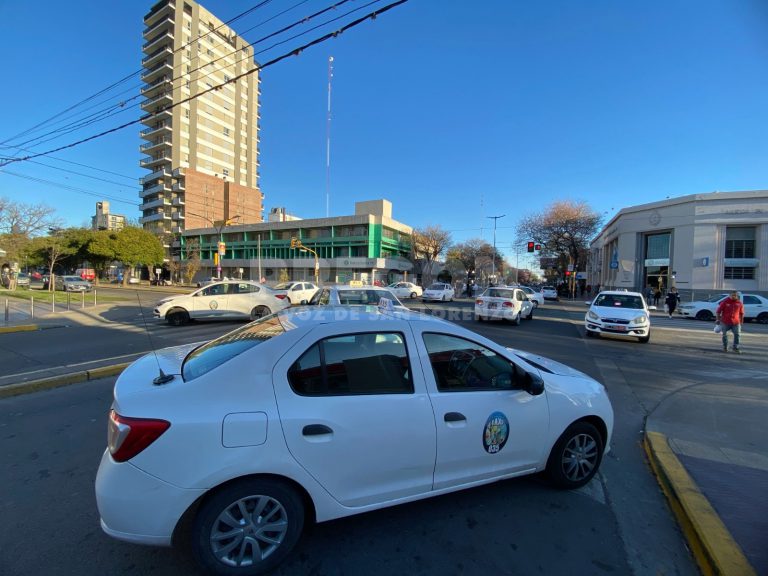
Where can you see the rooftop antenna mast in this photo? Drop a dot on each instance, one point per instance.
(328, 142)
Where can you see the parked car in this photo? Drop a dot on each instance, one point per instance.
(619, 313)
(503, 303)
(289, 420)
(406, 289)
(23, 280)
(353, 295)
(69, 284)
(227, 300)
(755, 308)
(549, 293)
(295, 292)
(86, 274)
(438, 291)
(536, 298)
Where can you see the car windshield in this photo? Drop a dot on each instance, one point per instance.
(717, 298)
(73, 279)
(207, 357)
(547, 288)
(619, 301)
(500, 293)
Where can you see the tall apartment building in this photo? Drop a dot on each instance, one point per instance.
(105, 220)
(202, 154)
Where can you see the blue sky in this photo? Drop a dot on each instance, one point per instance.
(453, 110)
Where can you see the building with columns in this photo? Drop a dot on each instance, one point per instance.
(701, 243)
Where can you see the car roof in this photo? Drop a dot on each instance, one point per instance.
(364, 287)
(619, 293)
(305, 316)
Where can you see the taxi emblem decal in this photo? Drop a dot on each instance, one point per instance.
(213, 304)
(495, 433)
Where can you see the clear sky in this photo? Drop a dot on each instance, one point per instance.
(453, 110)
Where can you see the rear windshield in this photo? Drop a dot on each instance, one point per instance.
(204, 359)
(437, 287)
(363, 296)
(500, 293)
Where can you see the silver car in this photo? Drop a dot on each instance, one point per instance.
(72, 284)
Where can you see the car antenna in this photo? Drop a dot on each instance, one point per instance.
(162, 378)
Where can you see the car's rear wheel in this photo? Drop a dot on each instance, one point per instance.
(413, 294)
(704, 315)
(248, 527)
(260, 311)
(177, 317)
(576, 456)
(762, 318)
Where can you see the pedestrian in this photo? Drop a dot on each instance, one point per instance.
(672, 300)
(649, 294)
(656, 297)
(730, 316)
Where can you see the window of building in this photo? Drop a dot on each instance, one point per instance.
(226, 131)
(225, 172)
(740, 242)
(354, 364)
(739, 273)
(657, 246)
(226, 78)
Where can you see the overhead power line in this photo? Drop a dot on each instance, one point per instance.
(295, 52)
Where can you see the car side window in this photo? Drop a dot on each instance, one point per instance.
(460, 365)
(353, 364)
(751, 300)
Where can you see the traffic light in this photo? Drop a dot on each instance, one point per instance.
(531, 246)
(567, 272)
(537, 247)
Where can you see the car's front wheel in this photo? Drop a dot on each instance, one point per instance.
(644, 339)
(260, 311)
(576, 456)
(704, 315)
(177, 317)
(248, 527)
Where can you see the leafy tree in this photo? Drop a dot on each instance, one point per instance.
(564, 229)
(134, 246)
(428, 245)
(477, 254)
(191, 264)
(52, 249)
(102, 250)
(283, 275)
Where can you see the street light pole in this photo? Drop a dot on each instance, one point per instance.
(493, 256)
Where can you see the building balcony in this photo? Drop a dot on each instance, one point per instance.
(163, 158)
(157, 217)
(158, 203)
(163, 128)
(156, 189)
(177, 229)
(164, 68)
(178, 202)
(152, 118)
(157, 13)
(152, 147)
(160, 54)
(177, 216)
(162, 173)
(162, 84)
(152, 33)
(162, 100)
(178, 172)
(178, 187)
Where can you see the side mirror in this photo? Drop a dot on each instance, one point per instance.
(588, 303)
(652, 308)
(533, 384)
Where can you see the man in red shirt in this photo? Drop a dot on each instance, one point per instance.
(730, 316)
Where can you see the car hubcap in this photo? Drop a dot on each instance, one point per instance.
(579, 457)
(249, 531)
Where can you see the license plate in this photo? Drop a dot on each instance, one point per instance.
(492, 305)
(617, 327)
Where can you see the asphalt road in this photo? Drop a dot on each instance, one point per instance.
(619, 524)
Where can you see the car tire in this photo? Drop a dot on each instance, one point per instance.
(260, 311)
(762, 318)
(177, 317)
(644, 339)
(256, 545)
(589, 333)
(535, 303)
(704, 315)
(576, 456)
(479, 318)
(518, 319)
(413, 295)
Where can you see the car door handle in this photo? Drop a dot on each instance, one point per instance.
(316, 430)
(454, 417)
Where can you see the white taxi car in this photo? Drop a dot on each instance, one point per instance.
(290, 419)
(619, 313)
(295, 292)
(536, 298)
(226, 300)
(439, 291)
(406, 289)
(504, 303)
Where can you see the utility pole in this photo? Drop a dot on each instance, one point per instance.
(328, 143)
(493, 256)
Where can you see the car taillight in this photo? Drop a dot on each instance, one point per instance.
(508, 305)
(127, 437)
(479, 302)
(281, 296)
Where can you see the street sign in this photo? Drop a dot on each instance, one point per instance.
(222, 248)
(614, 265)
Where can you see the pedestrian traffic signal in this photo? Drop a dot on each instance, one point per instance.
(531, 246)
(537, 247)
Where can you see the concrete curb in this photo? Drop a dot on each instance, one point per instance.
(19, 328)
(62, 380)
(713, 547)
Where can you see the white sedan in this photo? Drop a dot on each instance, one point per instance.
(755, 308)
(439, 291)
(536, 298)
(619, 313)
(295, 292)
(406, 289)
(227, 300)
(289, 419)
(505, 304)
(549, 293)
